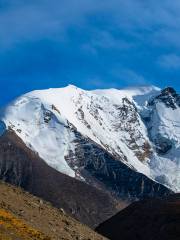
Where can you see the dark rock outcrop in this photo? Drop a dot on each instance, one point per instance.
(162, 144)
(107, 172)
(169, 97)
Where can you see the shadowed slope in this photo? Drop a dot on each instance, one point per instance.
(152, 219)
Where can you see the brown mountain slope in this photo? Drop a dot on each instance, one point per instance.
(21, 213)
(12, 228)
(22, 167)
(152, 219)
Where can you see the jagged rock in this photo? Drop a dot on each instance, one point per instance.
(169, 97)
(101, 169)
(162, 144)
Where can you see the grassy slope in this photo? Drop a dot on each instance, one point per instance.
(37, 214)
(12, 228)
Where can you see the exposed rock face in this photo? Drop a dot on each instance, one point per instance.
(169, 97)
(145, 220)
(162, 144)
(21, 167)
(103, 170)
(128, 122)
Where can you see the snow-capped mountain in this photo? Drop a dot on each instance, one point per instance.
(163, 124)
(67, 127)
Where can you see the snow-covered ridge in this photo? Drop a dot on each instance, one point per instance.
(111, 118)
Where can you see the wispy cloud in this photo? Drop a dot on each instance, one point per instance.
(169, 61)
(106, 40)
(129, 76)
(33, 20)
(97, 82)
(28, 20)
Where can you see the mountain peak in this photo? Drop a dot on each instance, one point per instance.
(168, 91)
(169, 97)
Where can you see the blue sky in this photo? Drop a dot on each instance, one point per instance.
(88, 43)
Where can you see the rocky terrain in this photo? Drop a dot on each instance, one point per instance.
(25, 217)
(152, 219)
(104, 171)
